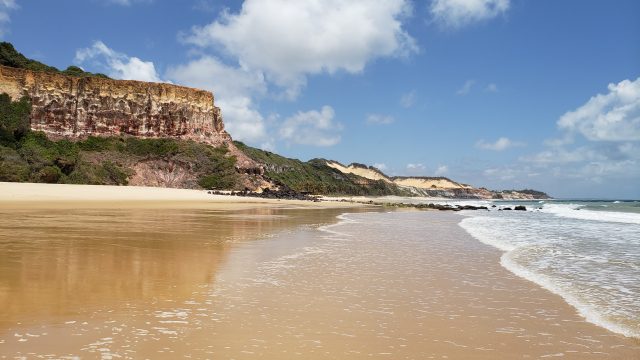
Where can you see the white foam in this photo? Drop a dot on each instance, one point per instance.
(593, 265)
(574, 211)
(590, 313)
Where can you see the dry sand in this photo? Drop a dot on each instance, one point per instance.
(30, 195)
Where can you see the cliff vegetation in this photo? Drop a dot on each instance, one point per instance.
(27, 155)
(316, 177)
(9, 56)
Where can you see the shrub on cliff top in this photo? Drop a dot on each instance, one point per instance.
(9, 56)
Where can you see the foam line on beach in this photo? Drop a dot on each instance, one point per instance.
(588, 312)
(486, 233)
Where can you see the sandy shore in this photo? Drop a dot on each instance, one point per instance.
(44, 195)
(269, 283)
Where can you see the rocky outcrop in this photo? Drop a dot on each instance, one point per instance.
(78, 107)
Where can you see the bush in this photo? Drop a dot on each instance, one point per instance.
(216, 182)
(105, 173)
(12, 167)
(48, 174)
(151, 147)
(96, 143)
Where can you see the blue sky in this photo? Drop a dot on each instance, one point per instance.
(495, 93)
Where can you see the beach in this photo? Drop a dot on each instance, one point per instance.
(31, 195)
(117, 272)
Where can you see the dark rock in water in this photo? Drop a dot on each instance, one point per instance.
(493, 206)
(520, 208)
(283, 193)
(471, 207)
(507, 208)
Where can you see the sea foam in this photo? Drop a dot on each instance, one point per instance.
(589, 259)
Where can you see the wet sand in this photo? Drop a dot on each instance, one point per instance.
(267, 283)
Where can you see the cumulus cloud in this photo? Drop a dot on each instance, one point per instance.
(459, 13)
(600, 138)
(415, 168)
(316, 128)
(6, 6)
(501, 144)
(379, 119)
(614, 116)
(233, 89)
(117, 65)
(288, 40)
(563, 156)
(441, 170)
(466, 87)
(407, 100)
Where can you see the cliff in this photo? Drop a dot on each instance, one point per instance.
(434, 186)
(77, 107)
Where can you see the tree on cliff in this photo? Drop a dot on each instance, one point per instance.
(14, 119)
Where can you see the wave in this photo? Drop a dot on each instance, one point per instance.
(589, 312)
(576, 211)
(593, 276)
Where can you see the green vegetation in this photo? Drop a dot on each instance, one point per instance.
(9, 56)
(28, 156)
(316, 177)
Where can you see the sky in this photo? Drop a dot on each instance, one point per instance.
(502, 94)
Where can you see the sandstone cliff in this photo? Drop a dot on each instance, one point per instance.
(435, 186)
(78, 107)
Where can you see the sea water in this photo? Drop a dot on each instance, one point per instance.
(588, 252)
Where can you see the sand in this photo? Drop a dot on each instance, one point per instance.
(267, 283)
(30, 195)
(133, 272)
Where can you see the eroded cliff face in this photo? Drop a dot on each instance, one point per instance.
(73, 107)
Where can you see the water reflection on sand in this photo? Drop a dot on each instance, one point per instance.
(104, 268)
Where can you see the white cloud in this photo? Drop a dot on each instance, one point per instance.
(380, 166)
(442, 170)
(415, 168)
(501, 144)
(289, 40)
(614, 116)
(117, 65)
(458, 13)
(407, 100)
(233, 89)
(491, 88)
(466, 88)
(316, 128)
(5, 7)
(562, 156)
(379, 119)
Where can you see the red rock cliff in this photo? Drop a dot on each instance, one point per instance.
(73, 107)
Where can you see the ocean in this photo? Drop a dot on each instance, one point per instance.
(586, 251)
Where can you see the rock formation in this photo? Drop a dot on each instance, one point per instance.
(78, 107)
